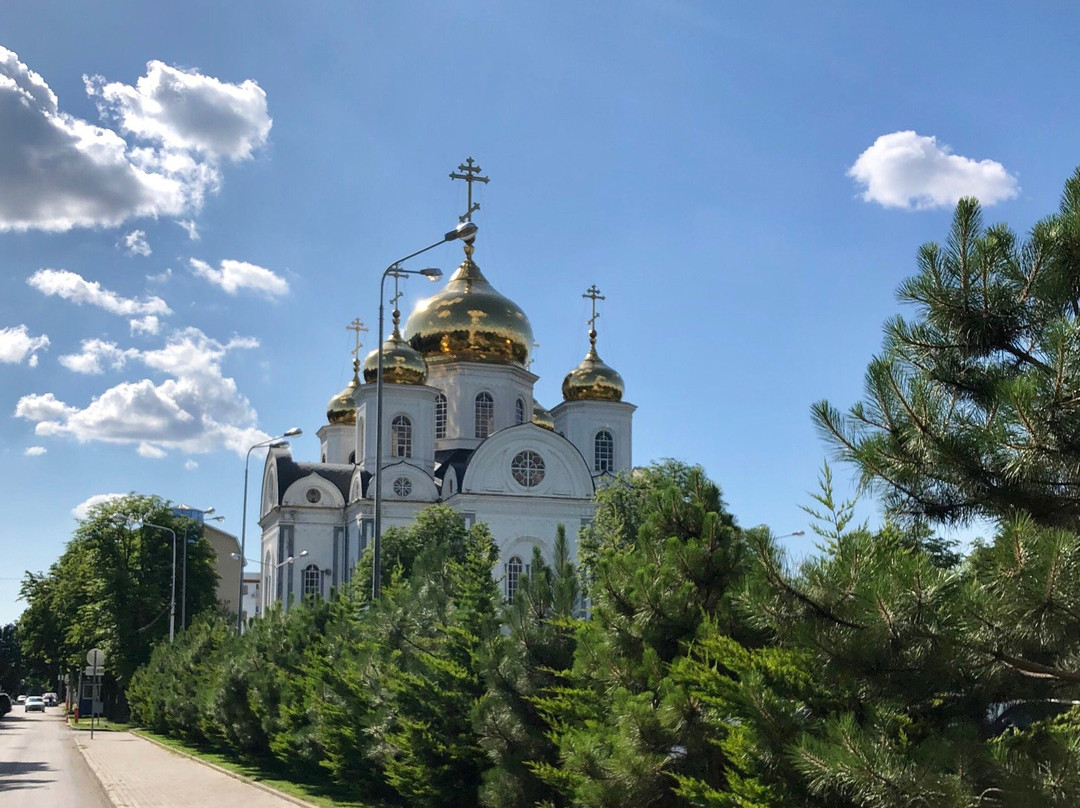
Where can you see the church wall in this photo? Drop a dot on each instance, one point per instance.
(579, 421)
(337, 443)
(461, 382)
(417, 403)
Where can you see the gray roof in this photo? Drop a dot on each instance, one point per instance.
(456, 458)
(289, 471)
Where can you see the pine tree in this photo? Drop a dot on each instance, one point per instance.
(528, 665)
(973, 407)
(625, 728)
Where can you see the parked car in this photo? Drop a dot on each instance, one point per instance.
(34, 704)
(5, 704)
(20, 699)
(49, 699)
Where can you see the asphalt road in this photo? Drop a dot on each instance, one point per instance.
(40, 766)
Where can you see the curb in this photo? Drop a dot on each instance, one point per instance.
(235, 775)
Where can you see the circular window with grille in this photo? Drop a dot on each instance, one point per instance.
(314, 495)
(527, 468)
(402, 486)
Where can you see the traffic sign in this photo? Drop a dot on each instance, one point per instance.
(90, 670)
(96, 657)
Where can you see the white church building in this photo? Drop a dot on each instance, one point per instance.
(460, 427)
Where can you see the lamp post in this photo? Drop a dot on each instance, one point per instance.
(289, 561)
(172, 586)
(273, 443)
(466, 231)
(183, 573)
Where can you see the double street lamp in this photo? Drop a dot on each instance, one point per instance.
(466, 231)
(124, 519)
(273, 443)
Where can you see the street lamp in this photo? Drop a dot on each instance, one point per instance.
(172, 587)
(273, 443)
(183, 574)
(466, 231)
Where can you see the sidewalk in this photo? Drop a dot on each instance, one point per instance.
(137, 773)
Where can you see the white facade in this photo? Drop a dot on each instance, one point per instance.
(463, 436)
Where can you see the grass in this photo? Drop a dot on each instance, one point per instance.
(318, 794)
(100, 725)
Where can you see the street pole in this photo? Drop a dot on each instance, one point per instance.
(172, 583)
(465, 231)
(273, 443)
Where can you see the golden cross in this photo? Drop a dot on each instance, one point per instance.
(469, 171)
(593, 294)
(357, 326)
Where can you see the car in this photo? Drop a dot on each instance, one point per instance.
(5, 704)
(34, 704)
(49, 699)
(20, 699)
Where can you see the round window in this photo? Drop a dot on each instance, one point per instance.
(314, 495)
(527, 468)
(402, 486)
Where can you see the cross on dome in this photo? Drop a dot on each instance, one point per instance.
(470, 173)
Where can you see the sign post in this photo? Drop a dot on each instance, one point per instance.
(96, 658)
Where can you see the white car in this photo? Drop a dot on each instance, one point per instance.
(34, 704)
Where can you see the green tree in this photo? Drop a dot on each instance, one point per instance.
(11, 662)
(111, 588)
(539, 646)
(973, 407)
(430, 680)
(625, 727)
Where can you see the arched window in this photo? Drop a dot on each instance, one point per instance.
(485, 415)
(603, 451)
(519, 411)
(401, 437)
(312, 582)
(268, 580)
(440, 417)
(514, 568)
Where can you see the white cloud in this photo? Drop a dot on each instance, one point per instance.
(82, 510)
(135, 243)
(151, 451)
(236, 275)
(72, 286)
(196, 409)
(190, 228)
(187, 111)
(915, 172)
(145, 325)
(16, 344)
(95, 355)
(161, 277)
(60, 172)
(34, 451)
(191, 465)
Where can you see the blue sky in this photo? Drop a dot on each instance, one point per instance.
(195, 199)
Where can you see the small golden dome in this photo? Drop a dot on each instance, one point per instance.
(541, 416)
(401, 364)
(469, 321)
(341, 409)
(593, 379)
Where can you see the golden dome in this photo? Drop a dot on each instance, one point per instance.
(341, 409)
(469, 321)
(593, 379)
(541, 416)
(401, 364)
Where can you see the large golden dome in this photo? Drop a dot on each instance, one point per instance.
(469, 321)
(341, 409)
(593, 379)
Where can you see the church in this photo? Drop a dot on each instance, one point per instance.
(460, 427)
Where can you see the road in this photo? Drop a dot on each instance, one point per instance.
(40, 766)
